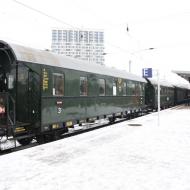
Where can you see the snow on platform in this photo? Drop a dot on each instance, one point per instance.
(141, 156)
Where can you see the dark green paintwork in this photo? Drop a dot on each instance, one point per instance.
(36, 105)
(76, 107)
(166, 96)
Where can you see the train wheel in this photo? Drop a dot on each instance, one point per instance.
(47, 138)
(25, 141)
(40, 139)
(111, 119)
(53, 137)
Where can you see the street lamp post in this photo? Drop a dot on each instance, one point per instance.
(138, 51)
(158, 80)
(130, 66)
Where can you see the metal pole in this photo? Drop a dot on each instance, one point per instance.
(158, 78)
(129, 66)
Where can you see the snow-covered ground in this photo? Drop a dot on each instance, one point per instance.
(120, 157)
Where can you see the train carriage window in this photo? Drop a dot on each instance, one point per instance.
(58, 84)
(22, 75)
(136, 90)
(130, 88)
(10, 82)
(102, 85)
(114, 89)
(141, 89)
(83, 86)
(124, 89)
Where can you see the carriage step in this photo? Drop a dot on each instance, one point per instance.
(21, 124)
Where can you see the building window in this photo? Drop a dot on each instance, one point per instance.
(102, 87)
(83, 86)
(58, 84)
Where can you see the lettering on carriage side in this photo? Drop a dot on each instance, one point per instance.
(119, 84)
(59, 110)
(59, 104)
(55, 126)
(45, 79)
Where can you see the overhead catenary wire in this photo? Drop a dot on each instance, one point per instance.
(44, 14)
(128, 29)
(119, 48)
(65, 23)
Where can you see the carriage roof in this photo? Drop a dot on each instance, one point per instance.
(43, 57)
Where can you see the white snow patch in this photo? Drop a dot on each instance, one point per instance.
(118, 157)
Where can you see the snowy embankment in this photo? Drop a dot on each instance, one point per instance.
(122, 157)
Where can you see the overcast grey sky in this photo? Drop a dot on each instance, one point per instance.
(161, 24)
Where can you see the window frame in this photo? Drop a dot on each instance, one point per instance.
(114, 88)
(100, 85)
(84, 93)
(55, 85)
(124, 88)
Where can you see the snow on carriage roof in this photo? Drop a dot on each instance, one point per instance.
(49, 58)
(162, 82)
(178, 81)
(171, 79)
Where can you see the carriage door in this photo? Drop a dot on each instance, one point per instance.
(34, 96)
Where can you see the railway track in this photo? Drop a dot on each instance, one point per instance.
(13, 146)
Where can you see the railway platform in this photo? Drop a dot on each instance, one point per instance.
(136, 154)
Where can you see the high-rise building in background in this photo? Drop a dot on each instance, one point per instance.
(82, 44)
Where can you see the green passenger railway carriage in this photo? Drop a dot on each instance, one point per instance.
(42, 94)
(167, 91)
